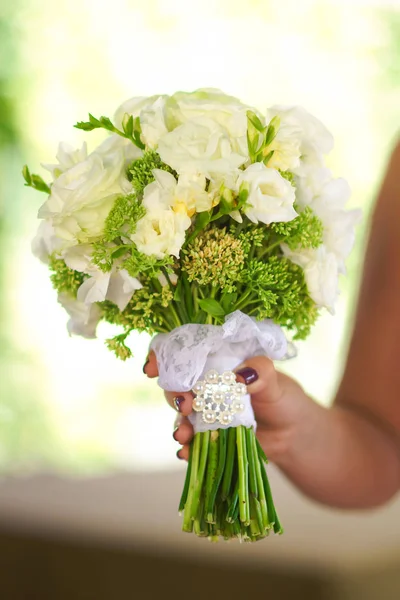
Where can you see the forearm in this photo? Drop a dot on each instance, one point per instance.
(340, 457)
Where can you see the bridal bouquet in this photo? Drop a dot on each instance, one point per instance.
(220, 231)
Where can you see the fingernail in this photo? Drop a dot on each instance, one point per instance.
(178, 402)
(178, 454)
(145, 365)
(249, 375)
(175, 430)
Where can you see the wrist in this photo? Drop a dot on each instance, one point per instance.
(302, 429)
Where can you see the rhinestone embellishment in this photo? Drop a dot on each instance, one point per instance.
(219, 397)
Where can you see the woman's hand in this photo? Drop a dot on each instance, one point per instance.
(276, 401)
(341, 456)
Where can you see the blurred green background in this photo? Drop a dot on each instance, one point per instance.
(68, 404)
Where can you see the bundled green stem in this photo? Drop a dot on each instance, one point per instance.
(226, 492)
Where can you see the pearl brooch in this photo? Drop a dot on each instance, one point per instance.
(219, 397)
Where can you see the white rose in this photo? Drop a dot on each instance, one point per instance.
(286, 147)
(187, 195)
(67, 157)
(271, 197)
(152, 114)
(84, 318)
(45, 242)
(320, 271)
(161, 232)
(83, 195)
(225, 110)
(200, 146)
(339, 235)
(116, 285)
(310, 183)
(153, 124)
(327, 198)
(315, 139)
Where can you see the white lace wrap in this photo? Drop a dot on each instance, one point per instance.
(185, 354)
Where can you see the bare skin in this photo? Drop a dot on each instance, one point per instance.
(347, 456)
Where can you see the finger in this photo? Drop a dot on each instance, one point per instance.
(180, 401)
(183, 453)
(261, 379)
(150, 367)
(183, 433)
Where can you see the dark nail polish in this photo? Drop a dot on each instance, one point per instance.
(249, 375)
(175, 430)
(178, 402)
(145, 365)
(178, 454)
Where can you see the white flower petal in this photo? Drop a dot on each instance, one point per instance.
(78, 258)
(94, 289)
(165, 180)
(161, 232)
(67, 157)
(121, 288)
(236, 216)
(83, 195)
(200, 145)
(271, 197)
(84, 318)
(45, 242)
(315, 135)
(321, 273)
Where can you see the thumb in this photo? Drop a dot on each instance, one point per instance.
(276, 398)
(261, 379)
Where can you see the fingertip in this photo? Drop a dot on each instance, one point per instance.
(254, 369)
(183, 433)
(183, 453)
(150, 367)
(260, 377)
(247, 375)
(182, 402)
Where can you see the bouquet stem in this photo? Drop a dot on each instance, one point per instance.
(227, 492)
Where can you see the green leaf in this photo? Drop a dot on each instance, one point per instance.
(85, 126)
(268, 157)
(255, 135)
(225, 207)
(250, 145)
(255, 121)
(212, 307)
(178, 292)
(202, 220)
(200, 317)
(242, 198)
(188, 294)
(94, 121)
(137, 132)
(228, 300)
(39, 184)
(137, 141)
(35, 181)
(26, 174)
(105, 122)
(131, 128)
(272, 130)
(119, 252)
(127, 124)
